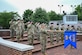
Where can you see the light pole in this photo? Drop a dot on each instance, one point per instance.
(60, 6)
(73, 7)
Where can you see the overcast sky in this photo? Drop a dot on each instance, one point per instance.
(21, 5)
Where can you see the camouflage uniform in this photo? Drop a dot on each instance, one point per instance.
(57, 33)
(12, 28)
(18, 29)
(23, 28)
(51, 34)
(30, 32)
(37, 31)
(62, 32)
(62, 35)
(43, 38)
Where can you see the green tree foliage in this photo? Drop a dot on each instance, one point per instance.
(40, 15)
(5, 17)
(59, 17)
(53, 16)
(27, 15)
(79, 12)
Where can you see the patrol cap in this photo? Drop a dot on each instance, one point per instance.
(51, 23)
(57, 23)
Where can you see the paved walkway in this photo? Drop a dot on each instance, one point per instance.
(61, 51)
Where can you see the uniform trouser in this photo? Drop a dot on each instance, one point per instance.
(43, 43)
(22, 33)
(38, 36)
(18, 33)
(12, 33)
(62, 37)
(58, 37)
(51, 38)
(30, 39)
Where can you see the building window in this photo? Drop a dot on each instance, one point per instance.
(71, 18)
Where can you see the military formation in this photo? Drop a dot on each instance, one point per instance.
(38, 30)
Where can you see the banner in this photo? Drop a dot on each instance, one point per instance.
(70, 38)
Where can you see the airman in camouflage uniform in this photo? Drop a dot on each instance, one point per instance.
(23, 28)
(30, 32)
(43, 38)
(37, 31)
(18, 29)
(52, 34)
(57, 33)
(12, 28)
(62, 32)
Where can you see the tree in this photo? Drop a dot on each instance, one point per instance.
(59, 17)
(40, 15)
(5, 17)
(79, 12)
(53, 16)
(27, 15)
